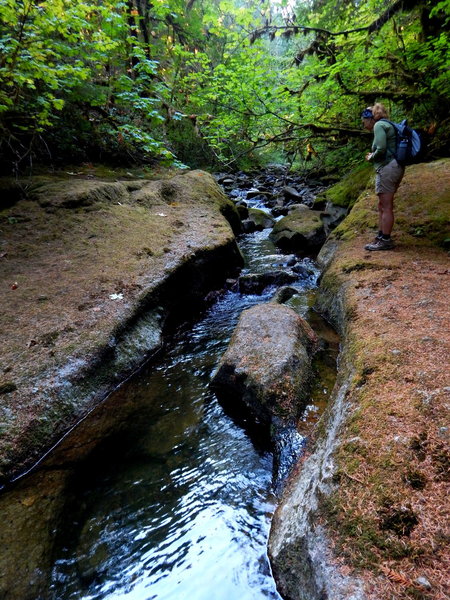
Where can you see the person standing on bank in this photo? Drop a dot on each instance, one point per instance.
(388, 172)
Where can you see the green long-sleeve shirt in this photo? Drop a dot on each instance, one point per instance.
(384, 143)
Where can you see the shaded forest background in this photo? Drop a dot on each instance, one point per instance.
(224, 84)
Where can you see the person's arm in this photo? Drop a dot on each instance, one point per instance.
(379, 145)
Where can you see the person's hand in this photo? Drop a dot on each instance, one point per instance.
(369, 156)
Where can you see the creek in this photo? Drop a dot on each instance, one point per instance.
(159, 493)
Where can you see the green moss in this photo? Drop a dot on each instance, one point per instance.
(367, 539)
(354, 446)
(371, 541)
(368, 536)
(422, 206)
(331, 282)
(358, 221)
(346, 192)
(301, 221)
(436, 230)
(349, 267)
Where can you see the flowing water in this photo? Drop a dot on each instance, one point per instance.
(174, 502)
(178, 504)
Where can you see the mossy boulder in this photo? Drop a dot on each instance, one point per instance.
(422, 213)
(347, 190)
(301, 230)
(260, 218)
(267, 365)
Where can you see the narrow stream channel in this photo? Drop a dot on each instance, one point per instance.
(174, 501)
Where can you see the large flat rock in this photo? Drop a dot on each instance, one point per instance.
(91, 271)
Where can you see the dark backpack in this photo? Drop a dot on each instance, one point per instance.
(409, 144)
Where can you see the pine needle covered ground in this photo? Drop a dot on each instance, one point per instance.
(389, 513)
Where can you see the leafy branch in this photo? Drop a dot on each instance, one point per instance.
(294, 29)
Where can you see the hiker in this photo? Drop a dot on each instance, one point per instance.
(388, 172)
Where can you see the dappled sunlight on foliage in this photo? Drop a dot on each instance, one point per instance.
(214, 83)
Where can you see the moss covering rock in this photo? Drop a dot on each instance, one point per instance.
(260, 218)
(300, 230)
(348, 189)
(421, 208)
(362, 516)
(268, 362)
(92, 272)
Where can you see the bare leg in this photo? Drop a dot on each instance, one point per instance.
(386, 212)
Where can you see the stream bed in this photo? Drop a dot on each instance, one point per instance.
(159, 494)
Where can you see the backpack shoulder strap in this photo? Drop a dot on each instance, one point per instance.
(391, 152)
(394, 125)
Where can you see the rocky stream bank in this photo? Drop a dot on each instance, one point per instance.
(366, 508)
(95, 273)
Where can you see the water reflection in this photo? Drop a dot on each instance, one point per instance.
(173, 510)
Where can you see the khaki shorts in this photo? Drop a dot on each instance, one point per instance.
(388, 178)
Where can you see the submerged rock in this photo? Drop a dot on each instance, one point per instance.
(267, 365)
(256, 283)
(284, 294)
(280, 211)
(260, 218)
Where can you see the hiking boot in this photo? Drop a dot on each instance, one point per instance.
(375, 239)
(380, 244)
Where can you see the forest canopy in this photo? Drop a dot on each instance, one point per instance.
(223, 83)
